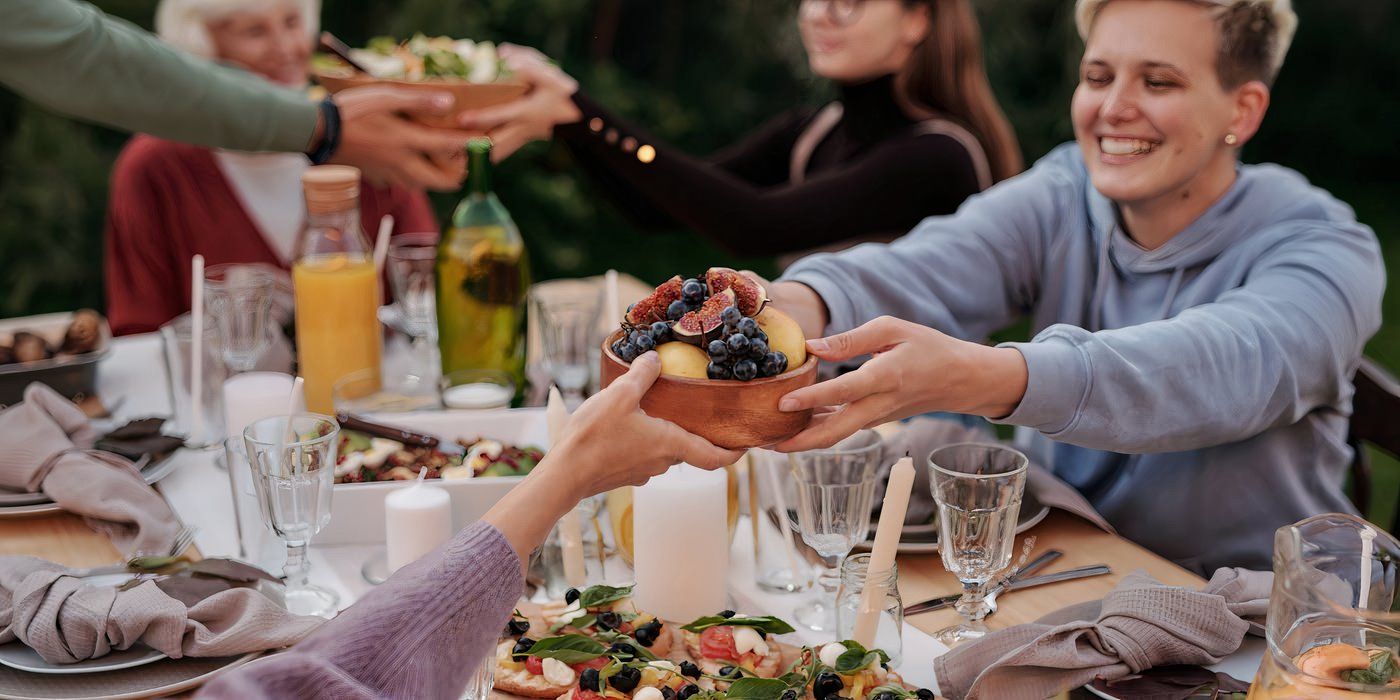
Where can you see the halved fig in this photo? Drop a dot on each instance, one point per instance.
(703, 324)
(750, 294)
(653, 308)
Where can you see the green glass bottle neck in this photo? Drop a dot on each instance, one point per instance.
(478, 172)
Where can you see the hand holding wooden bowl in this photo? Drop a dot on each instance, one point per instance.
(467, 96)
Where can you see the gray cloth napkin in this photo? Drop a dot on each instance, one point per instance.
(1139, 625)
(66, 620)
(45, 446)
(918, 437)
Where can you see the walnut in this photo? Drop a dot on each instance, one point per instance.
(84, 333)
(30, 348)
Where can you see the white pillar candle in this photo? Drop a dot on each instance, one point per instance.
(417, 519)
(681, 543)
(882, 554)
(252, 396)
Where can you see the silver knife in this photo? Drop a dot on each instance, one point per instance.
(1069, 575)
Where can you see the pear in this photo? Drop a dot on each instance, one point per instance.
(784, 335)
(683, 360)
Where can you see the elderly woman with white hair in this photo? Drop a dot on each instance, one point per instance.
(170, 200)
(1197, 321)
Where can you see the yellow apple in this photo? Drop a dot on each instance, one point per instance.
(784, 335)
(683, 360)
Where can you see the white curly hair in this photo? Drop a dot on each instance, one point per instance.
(1255, 35)
(185, 23)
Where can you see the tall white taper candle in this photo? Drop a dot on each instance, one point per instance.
(197, 432)
(892, 511)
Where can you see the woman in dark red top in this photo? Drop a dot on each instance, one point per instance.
(170, 200)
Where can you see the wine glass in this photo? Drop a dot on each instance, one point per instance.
(978, 490)
(292, 459)
(239, 298)
(835, 490)
(568, 324)
(412, 261)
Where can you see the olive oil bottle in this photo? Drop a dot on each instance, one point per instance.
(483, 279)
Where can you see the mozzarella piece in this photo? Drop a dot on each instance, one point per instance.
(558, 672)
(830, 653)
(747, 639)
(572, 612)
(379, 451)
(350, 464)
(666, 666)
(648, 693)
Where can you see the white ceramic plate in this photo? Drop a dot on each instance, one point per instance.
(1243, 664)
(923, 539)
(18, 656)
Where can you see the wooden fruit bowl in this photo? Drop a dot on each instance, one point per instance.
(468, 96)
(729, 413)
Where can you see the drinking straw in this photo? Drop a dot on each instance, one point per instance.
(1368, 539)
(196, 346)
(882, 554)
(381, 244)
(295, 401)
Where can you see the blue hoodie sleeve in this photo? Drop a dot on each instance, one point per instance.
(966, 274)
(1261, 355)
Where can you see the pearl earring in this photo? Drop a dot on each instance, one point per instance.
(1231, 140)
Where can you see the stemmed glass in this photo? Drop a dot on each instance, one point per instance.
(568, 324)
(411, 262)
(835, 490)
(292, 459)
(239, 298)
(978, 490)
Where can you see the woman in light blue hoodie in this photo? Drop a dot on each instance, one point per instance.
(1197, 321)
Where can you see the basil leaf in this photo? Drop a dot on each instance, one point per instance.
(756, 689)
(853, 645)
(771, 625)
(1383, 665)
(854, 660)
(894, 690)
(594, 596)
(570, 648)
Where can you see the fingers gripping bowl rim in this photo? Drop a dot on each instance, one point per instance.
(729, 413)
(466, 96)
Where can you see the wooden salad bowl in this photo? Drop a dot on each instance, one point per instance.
(468, 96)
(729, 413)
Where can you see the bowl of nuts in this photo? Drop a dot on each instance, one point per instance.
(61, 350)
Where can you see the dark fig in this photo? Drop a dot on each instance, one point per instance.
(653, 308)
(699, 326)
(750, 295)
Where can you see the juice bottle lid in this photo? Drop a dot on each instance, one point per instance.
(330, 188)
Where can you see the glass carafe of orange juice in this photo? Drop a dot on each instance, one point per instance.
(1334, 613)
(336, 288)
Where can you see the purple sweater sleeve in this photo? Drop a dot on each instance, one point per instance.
(415, 636)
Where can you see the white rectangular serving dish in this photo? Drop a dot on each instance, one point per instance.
(357, 510)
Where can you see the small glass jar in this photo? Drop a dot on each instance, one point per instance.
(889, 634)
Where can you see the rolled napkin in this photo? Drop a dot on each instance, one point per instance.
(920, 436)
(1139, 625)
(45, 446)
(67, 620)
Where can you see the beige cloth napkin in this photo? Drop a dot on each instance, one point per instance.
(922, 435)
(66, 620)
(45, 446)
(1139, 625)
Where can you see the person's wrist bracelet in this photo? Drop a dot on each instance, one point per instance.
(330, 137)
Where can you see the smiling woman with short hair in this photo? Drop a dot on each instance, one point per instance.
(1197, 321)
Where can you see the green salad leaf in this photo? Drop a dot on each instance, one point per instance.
(756, 689)
(569, 648)
(771, 625)
(594, 596)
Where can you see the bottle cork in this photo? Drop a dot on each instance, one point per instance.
(330, 188)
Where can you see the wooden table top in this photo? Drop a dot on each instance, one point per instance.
(922, 576)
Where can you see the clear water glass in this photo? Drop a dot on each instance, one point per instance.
(238, 297)
(889, 632)
(411, 261)
(978, 490)
(177, 351)
(482, 680)
(781, 560)
(292, 461)
(568, 325)
(835, 491)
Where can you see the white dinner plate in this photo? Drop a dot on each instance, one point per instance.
(1243, 664)
(923, 539)
(17, 655)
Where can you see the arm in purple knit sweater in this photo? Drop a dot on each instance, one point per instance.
(407, 638)
(420, 634)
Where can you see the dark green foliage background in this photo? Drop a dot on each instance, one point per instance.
(699, 74)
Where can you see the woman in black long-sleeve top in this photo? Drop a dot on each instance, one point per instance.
(915, 131)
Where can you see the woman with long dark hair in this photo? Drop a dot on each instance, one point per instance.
(914, 132)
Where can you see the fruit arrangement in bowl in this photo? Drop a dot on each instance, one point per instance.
(727, 356)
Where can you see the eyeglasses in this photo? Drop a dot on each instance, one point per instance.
(842, 13)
